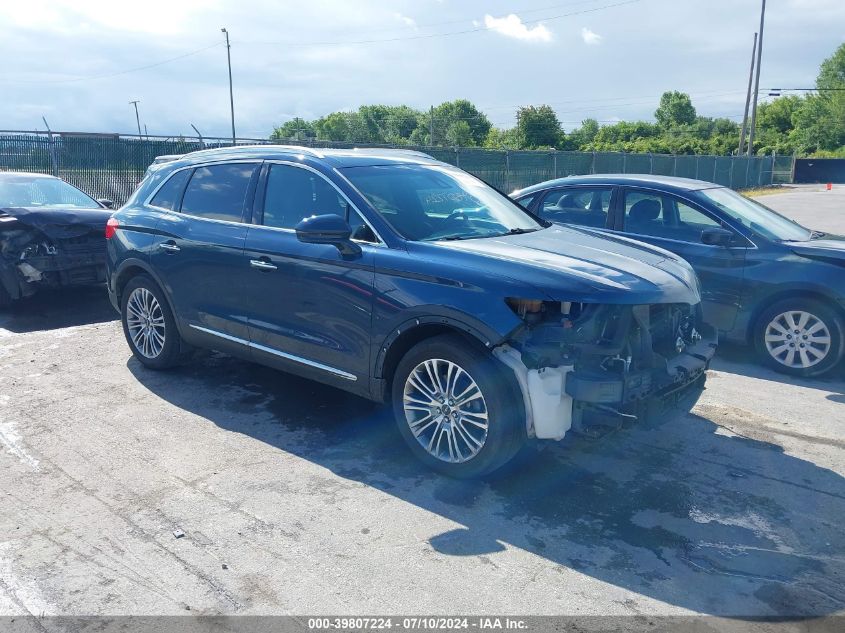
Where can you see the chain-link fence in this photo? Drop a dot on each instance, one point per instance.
(112, 165)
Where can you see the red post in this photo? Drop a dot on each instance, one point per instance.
(829, 186)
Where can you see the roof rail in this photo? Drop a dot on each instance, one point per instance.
(294, 148)
(397, 150)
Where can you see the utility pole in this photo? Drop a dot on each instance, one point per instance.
(747, 98)
(757, 80)
(137, 118)
(231, 94)
(431, 126)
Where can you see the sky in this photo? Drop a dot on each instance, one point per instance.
(80, 62)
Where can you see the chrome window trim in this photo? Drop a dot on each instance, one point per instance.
(297, 359)
(379, 242)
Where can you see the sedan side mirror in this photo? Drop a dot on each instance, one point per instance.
(328, 229)
(108, 204)
(717, 237)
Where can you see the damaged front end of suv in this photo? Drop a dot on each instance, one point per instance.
(50, 248)
(588, 367)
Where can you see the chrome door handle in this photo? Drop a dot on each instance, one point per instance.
(260, 264)
(172, 248)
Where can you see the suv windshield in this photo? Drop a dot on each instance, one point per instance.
(437, 202)
(42, 192)
(755, 216)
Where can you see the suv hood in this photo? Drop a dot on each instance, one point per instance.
(569, 264)
(56, 222)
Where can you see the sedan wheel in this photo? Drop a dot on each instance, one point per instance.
(800, 336)
(145, 321)
(445, 410)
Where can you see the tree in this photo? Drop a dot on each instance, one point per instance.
(459, 110)
(675, 109)
(582, 136)
(538, 126)
(297, 129)
(459, 134)
(502, 139)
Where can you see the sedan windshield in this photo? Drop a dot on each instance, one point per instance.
(436, 202)
(755, 216)
(42, 192)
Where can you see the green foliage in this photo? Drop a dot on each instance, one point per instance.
(675, 109)
(538, 126)
(811, 124)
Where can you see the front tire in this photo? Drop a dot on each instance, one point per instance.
(148, 324)
(800, 337)
(458, 411)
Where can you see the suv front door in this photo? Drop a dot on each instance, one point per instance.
(309, 306)
(676, 224)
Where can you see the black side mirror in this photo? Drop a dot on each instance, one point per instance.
(328, 229)
(717, 237)
(108, 204)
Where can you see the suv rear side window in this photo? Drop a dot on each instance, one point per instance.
(170, 192)
(587, 206)
(294, 193)
(218, 192)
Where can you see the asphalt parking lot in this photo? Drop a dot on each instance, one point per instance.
(225, 487)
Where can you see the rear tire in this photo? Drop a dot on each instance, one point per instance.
(459, 412)
(800, 337)
(148, 324)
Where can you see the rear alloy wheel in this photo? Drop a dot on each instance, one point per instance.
(148, 324)
(801, 337)
(458, 411)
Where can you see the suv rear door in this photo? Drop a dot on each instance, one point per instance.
(309, 307)
(199, 251)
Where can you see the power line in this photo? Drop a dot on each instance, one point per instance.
(115, 74)
(434, 35)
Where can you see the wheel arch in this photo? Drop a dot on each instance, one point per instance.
(790, 293)
(412, 331)
(131, 268)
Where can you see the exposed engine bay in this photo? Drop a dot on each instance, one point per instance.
(50, 248)
(578, 363)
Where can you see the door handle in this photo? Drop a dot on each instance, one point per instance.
(169, 247)
(262, 264)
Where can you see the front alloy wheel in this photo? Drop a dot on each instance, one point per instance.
(445, 410)
(458, 409)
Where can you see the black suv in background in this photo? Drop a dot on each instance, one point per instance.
(406, 280)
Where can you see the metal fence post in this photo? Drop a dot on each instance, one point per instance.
(697, 162)
(554, 160)
(593, 164)
(624, 162)
(651, 162)
(457, 157)
(507, 169)
(792, 169)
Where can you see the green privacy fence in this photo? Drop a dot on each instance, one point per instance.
(112, 165)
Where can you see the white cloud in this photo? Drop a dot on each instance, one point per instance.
(590, 37)
(405, 19)
(512, 26)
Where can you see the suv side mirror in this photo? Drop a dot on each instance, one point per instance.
(108, 204)
(717, 237)
(328, 229)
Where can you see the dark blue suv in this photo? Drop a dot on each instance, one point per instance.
(402, 279)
